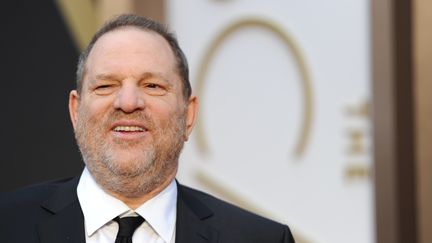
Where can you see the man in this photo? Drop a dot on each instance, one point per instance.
(132, 112)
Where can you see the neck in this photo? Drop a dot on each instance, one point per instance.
(135, 202)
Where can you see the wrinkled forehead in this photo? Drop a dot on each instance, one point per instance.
(132, 51)
(131, 41)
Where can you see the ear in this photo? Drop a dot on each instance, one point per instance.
(192, 110)
(74, 100)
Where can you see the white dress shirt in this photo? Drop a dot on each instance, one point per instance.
(99, 208)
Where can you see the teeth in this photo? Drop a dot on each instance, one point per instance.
(128, 129)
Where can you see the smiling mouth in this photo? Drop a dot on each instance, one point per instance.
(128, 129)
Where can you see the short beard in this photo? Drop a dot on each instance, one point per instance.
(142, 174)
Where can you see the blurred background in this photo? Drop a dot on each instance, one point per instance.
(313, 113)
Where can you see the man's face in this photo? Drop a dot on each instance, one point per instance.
(131, 118)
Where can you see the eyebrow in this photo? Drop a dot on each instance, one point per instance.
(143, 76)
(104, 76)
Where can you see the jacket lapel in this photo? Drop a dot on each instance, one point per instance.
(191, 226)
(66, 224)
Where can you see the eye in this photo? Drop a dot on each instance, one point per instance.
(154, 89)
(104, 89)
(153, 86)
(103, 86)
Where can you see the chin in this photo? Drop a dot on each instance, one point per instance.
(129, 167)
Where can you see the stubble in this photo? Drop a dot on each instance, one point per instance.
(148, 165)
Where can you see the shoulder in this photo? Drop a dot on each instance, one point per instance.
(219, 206)
(226, 216)
(23, 209)
(29, 196)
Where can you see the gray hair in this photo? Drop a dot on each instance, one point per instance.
(131, 20)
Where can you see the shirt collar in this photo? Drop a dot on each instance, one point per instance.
(99, 208)
(160, 212)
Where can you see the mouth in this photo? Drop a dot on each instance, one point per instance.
(128, 129)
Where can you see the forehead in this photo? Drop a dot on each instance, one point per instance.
(130, 49)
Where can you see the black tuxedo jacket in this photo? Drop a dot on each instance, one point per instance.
(51, 213)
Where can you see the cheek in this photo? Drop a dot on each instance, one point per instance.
(163, 108)
(95, 109)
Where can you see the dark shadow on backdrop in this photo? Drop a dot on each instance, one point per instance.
(37, 73)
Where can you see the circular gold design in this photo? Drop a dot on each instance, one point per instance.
(277, 31)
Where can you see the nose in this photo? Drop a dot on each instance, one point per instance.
(129, 99)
